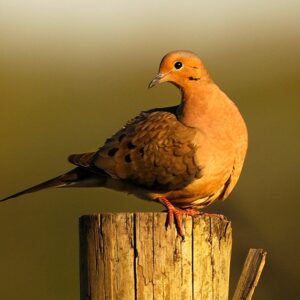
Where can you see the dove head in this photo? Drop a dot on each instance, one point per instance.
(182, 68)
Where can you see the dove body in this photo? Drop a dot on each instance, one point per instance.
(221, 146)
(188, 155)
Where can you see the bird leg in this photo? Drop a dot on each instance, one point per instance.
(176, 213)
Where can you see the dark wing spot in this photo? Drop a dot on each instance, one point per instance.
(113, 151)
(109, 140)
(131, 146)
(121, 137)
(127, 158)
(142, 151)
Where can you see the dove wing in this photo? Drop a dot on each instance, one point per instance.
(153, 150)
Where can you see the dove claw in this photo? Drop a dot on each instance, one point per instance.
(175, 213)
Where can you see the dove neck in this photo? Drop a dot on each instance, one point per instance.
(197, 103)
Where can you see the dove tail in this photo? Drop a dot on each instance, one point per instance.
(54, 182)
(68, 179)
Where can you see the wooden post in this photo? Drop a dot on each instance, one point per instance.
(249, 278)
(128, 256)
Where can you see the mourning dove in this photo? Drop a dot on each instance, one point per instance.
(185, 156)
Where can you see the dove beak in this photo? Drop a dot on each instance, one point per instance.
(159, 78)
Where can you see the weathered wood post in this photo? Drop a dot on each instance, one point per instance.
(128, 256)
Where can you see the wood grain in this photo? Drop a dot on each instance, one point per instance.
(249, 278)
(134, 256)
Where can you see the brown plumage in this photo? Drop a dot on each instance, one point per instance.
(188, 155)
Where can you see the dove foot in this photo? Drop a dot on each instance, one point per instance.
(175, 213)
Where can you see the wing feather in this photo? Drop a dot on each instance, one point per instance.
(154, 150)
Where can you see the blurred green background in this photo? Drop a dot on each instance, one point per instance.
(72, 73)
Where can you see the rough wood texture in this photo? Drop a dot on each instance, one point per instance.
(133, 256)
(249, 278)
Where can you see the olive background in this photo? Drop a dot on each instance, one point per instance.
(73, 72)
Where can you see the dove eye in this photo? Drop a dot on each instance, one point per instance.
(178, 65)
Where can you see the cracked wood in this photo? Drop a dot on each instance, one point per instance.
(133, 256)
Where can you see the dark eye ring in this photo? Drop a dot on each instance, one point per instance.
(178, 65)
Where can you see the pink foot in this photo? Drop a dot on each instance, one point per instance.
(176, 213)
